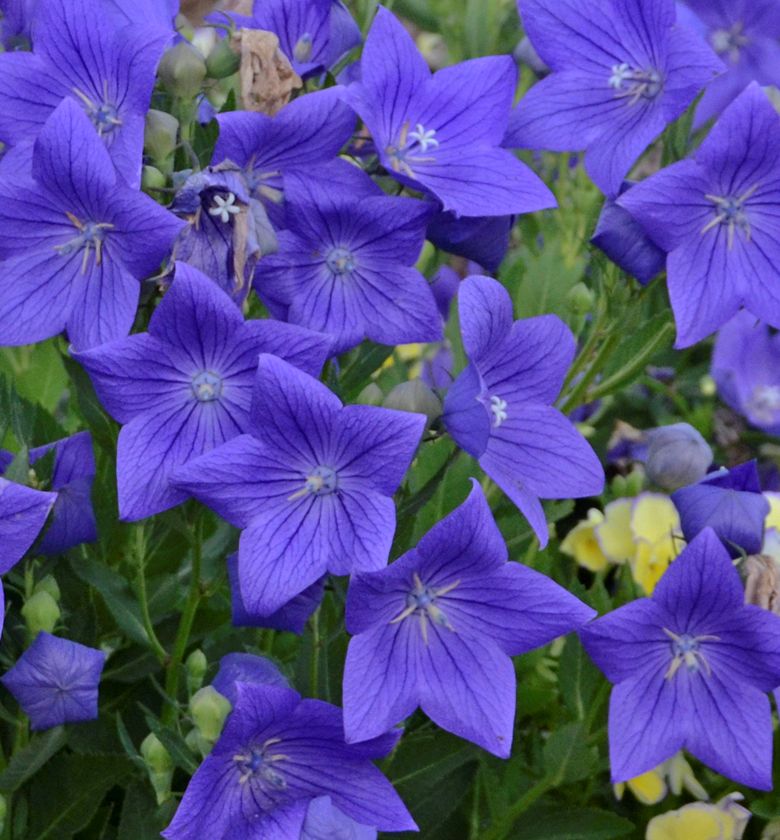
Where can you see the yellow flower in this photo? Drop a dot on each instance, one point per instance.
(581, 543)
(673, 774)
(655, 525)
(725, 820)
(773, 517)
(614, 533)
(649, 788)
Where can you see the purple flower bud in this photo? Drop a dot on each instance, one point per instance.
(677, 455)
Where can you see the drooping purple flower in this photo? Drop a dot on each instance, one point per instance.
(23, 513)
(746, 369)
(227, 230)
(311, 485)
(16, 18)
(625, 242)
(437, 628)
(442, 133)
(291, 617)
(308, 132)
(237, 668)
(483, 240)
(499, 409)
(83, 54)
(313, 34)
(691, 667)
(345, 266)
(622, 71)
(75, 242)
(276, 754)
(731, 503)
(185, 386)
(73, 519)
(744, 33)
(715, 216)
(324, 821)
(55, 681)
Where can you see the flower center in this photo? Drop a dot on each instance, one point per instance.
(687, 650)
(731, 212)
(258, 763)
(340, 261)
(321, 481)
(207, 386)
(303, 47)
(224, 207)
(498, 408)
(633, 84)
(729, 43)
(104, 115)
(765, 403)
(421, 601)
(412, 149)
(89, 236)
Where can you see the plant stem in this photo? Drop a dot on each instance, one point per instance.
(499, 830)
(315, 654)
(185, 626)
(139, 549)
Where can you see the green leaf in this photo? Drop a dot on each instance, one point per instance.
(368, 358)
(116, 593)
(140, 815)
(578, 677)
(68, 792)
(102, 427)
(28, 761)
(567, 757)
(173, 742)
(554, 822)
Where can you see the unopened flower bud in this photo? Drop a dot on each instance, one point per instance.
(209, 710)
(159, 766)
(371, 395)
(635, 481)
(196, 665)
(160, 135)
(414, 396)
(677, 456)
(223, 61)
(524, 53)
(41, 612)
(434, 49)
(580, 299)
(48, 584)
(182, 70)
(152, 179)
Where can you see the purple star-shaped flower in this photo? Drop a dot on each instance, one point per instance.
(345, 265)
(483, 240)
(691, 667)
(744, 33)
(622, 71)
(73, 519)
(437, 629)
(324, 821)
(308, 132)
(313, 34)
(75, 242)
(715, 216)
(82, 54)
(442, 133)
(731, 503)
(499, 409)
(311, 485)
(746, 369)
(153, 13)
(23, 513)
(185, 386)
(276, 754)
(236, 668)
(16, 17)
(55, 681)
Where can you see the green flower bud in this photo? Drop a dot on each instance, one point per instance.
(414, 396)
(223, 61)
(196, 665)
(152, 179)
(159, 766)
(160, 135)
(371, 395)
(619, 486)
(580, 299)
(635, 481)
(209, 710)
(182, 70)
(41, 612)
(48, 584)
(434, 49)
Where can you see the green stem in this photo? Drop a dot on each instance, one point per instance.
(185, 627)
(314, 675)
(139, 550)
(578, 394)
(499, 830)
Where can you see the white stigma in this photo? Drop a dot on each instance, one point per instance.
(224, 207)
(620, 74)
(498, 407)
(424, 139)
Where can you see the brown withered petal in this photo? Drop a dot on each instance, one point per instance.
(762, 582)
(266, 77)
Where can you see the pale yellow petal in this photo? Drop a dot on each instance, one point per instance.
(654, 518)
(692, 822)
(581, 543)
(614, 533)
(648, 566)
(773, 517)
(649, 788)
